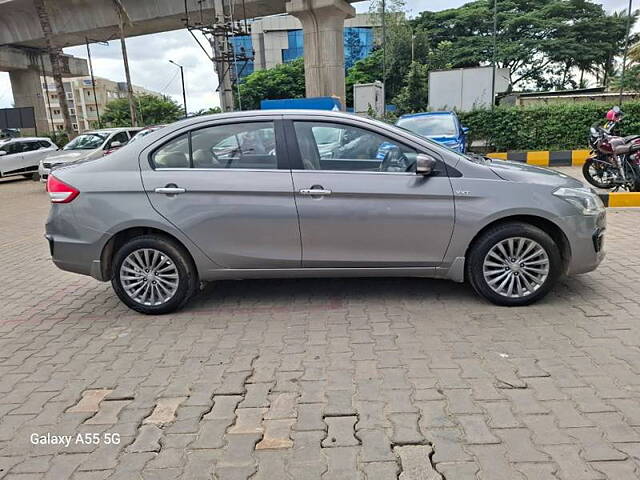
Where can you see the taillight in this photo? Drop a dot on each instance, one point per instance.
(60, 192)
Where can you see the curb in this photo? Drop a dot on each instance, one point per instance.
(545, 158)
(620, 199)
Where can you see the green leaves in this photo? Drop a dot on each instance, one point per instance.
(544, 127)
(282, 81)
(151, 110)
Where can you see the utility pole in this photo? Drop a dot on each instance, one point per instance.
(413, 46)
(494, 54)
(93, 83)
(56, 70)
(626, 51)
(122, 16)
(184, 92)
(384, 45)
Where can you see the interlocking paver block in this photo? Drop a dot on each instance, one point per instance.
(90, 401)
(376, 447)
(405, 429)
(108, 413)
(148, 440)
(248, 420)
(415, 463)
(571, 465)
(476, 430)
(340, 432)
(276, 434)
(165, 411)
(283, 405)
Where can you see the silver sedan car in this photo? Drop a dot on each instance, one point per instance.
(307, 194)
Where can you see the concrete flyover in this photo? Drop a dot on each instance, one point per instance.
(73, 21)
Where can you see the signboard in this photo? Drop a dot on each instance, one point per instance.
(312, 103)
(23, 117)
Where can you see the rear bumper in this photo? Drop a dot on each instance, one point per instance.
(73, 248)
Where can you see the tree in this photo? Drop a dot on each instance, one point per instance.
(208, 111)
(631, 80)
(282, 81)
(542, 42)
(414, 96)
(152, 110)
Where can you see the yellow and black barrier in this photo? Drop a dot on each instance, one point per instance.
(545, 158)
(621, 199)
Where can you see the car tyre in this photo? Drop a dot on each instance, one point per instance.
(482, 269)
(177, 262)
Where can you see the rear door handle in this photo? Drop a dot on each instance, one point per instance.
(315, 191)
(170, 190)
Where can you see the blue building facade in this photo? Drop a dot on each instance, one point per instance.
(358, 44)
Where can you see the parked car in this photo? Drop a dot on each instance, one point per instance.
(145, 131)
(249, 195)
(87, 146)
(441, 127)
(21, 156)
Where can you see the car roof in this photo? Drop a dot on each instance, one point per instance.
(22, 139)
(427, 114)
(111, 130)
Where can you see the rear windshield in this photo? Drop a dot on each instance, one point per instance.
(430, 125)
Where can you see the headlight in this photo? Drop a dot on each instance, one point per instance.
(583, 199)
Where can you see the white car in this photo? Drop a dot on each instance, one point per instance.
(87, 146)
(21, 156)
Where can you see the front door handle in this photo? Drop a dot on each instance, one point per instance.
(315, 191)
(170, 190)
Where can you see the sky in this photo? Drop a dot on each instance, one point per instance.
(149, 57)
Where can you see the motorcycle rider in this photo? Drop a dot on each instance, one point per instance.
(613, 117)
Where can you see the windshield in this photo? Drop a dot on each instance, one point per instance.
(88, 141)
(431, 125)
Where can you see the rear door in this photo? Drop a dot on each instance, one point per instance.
(360, 202)
(228, 187)
(32, 153)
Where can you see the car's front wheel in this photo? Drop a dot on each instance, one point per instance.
(514, 264)
(153, 275)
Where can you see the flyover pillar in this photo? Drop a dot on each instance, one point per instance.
(323, 27)
(27, 92)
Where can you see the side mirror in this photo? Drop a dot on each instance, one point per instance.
(116, 144)
(465, 130)
(2, 152)
(425, 164)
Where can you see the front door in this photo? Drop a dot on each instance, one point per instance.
(13, 159)
(222, 186)
(360, 203)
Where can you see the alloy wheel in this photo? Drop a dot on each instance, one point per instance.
(516, 267)
(149, 277)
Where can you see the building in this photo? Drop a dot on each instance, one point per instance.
(83, 107)
(279, 39)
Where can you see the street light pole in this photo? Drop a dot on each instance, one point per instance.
(626, 50)
(184, 92)
(495, 47)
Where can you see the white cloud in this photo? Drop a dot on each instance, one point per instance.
(149, 57)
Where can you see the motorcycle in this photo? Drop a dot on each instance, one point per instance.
(614, 162)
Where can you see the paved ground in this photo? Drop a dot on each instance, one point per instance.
(354, 379)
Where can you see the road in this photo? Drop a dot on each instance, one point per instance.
(307, 379)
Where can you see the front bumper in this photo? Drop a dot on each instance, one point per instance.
(586, 236)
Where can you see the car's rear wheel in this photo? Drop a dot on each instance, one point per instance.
(514, 264)
(153, 275)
